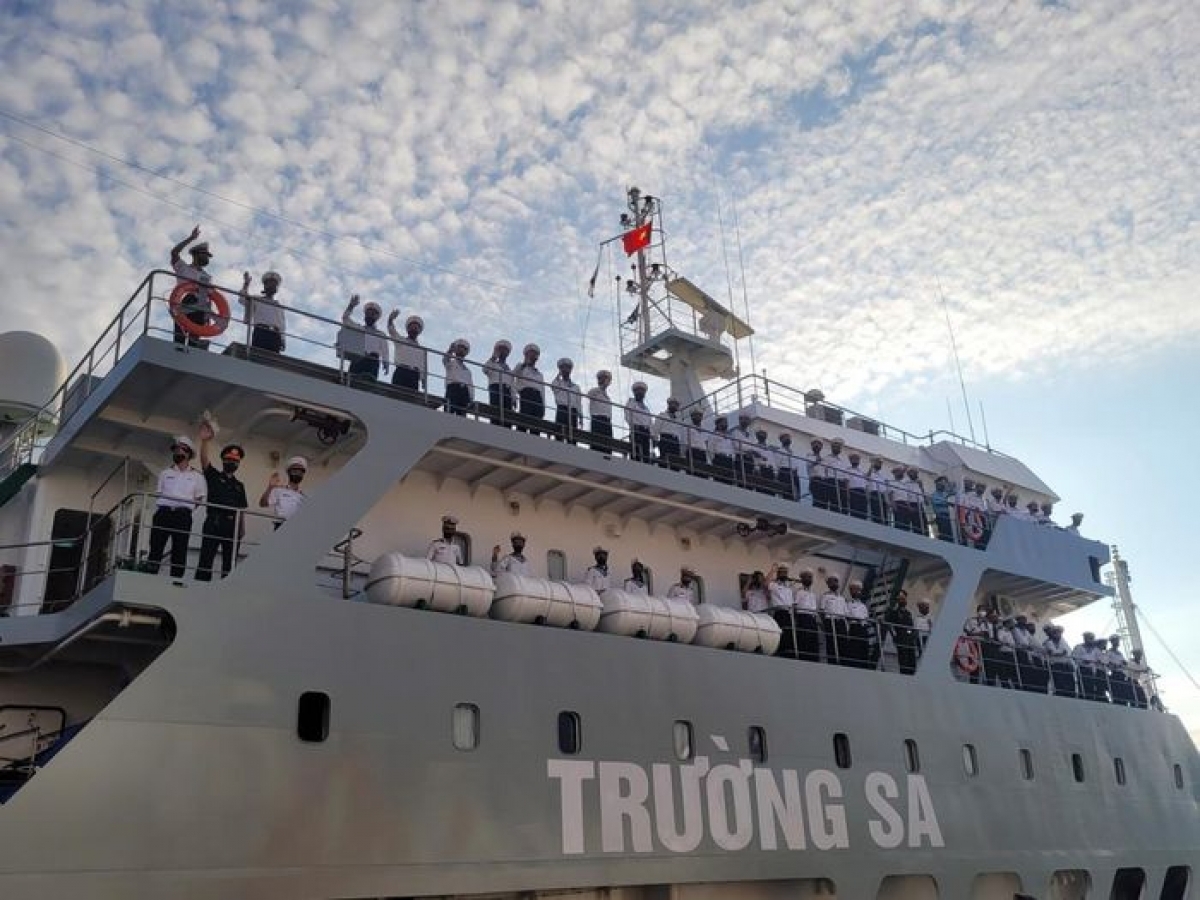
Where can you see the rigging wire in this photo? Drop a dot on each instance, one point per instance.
(737, 233)
(1171, 653)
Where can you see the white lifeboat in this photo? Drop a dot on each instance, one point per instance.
(523, 598)
(736, 629)
(398, 580)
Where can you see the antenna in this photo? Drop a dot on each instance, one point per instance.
(737, 233)
(987, 441)
(957, 363)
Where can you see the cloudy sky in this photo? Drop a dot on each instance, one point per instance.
(1037, 164)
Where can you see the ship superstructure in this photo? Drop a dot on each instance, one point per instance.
(293, 731)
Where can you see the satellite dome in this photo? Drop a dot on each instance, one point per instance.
(31, 370)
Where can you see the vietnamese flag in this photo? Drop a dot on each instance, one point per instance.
(635, 240)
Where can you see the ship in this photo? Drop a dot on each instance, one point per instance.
(344, 716)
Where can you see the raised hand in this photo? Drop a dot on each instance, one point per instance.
(392, 316)
(207, 433)
(276, 480)
(195, 233)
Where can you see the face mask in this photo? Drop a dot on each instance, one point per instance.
(179, 457)
(229, 467)
(295, 477)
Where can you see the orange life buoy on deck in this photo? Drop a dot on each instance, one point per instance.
(967, 655)
(218, 319)
(970, 523)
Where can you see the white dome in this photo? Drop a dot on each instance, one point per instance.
(31, 370)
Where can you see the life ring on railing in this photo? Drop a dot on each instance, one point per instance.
(967, 655)
(970, 523)
(218, 318)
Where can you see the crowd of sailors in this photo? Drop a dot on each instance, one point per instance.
(830, 477)
(1007, 653)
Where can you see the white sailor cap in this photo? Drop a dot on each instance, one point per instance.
(599, 549)
(449, 520)
(201, 247)
(639, 385)
(272, 276)
(507, 345)
(532, 348)
(372, 305)
(855, 584)
(415, 320)
(781, 565)
(604, 373)
(297, 462)
(671, 400)
(516, 534)
(462, 342)
(837, 442)
(566, 363)
(184, 443)
(687, 570)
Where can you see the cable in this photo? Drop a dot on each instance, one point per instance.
(1170, 652)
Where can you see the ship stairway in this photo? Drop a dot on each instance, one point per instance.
(883, 583)
(15, 480)
(26, 750)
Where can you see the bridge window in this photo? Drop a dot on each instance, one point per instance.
(970, 760)
(912, 756)
(312, 717)
(1119, 769)
(1128, 884)
(570, 733)
(1175, 885)
(758, 743)
(681, 736)
(1077, 767)
(1026, 759)
(464, 726)
(556, 565)
(841, 751)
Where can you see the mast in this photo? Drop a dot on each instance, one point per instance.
(1123, 608)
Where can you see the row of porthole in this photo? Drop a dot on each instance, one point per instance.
(312, 726)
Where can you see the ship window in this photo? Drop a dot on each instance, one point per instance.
(1128, 884)
(1179, 776)
(1026, 759)
(1070, 884)
(758, 743)
(1077, 766)
(648, 574)
(912, 756)
(1175, 885)
(312, 717)
(841, 750)
(682, 737)
(570, 733)
(970, 760)
(916, 887)
(698, 588)
(1119, 769)
(556, 565)
(463, 540)
(464, 726)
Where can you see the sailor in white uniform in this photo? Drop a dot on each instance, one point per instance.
(284, 499)
(639, 419)
(669, 429)
(721, 450)
(837, 471)
(833, 620)
(530, 387)
(499, 381)
(411, 363)
(684, 589)
(600, 412)
(754, 594)
(596, 576)
(877, 485)
(195, 304)
(819, 487)
(459, 383)
(743, 448)
(860, 628)
(180, 488)
(445, 549)
(856, 487)
(568, 402)
(781, 604)
(1062, 669)
(363, 346)
(265, 314)
(636, 582)
(695, 439)
(513, 563)
(808, 622)
(787, 467)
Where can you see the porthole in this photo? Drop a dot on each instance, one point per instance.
(1178, 776)
(464, 726)
(570, 737)
(758, 743)
(681, 736)
(912, 756)
(1077, 767)
(312, 717)
(841, 751)
(1026, 759)
(970, 760)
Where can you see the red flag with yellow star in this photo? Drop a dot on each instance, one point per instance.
(635, 240)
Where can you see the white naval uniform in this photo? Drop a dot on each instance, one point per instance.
(285, 500)
(444, 551)
(680, 591)
(457, 371)
(566, 393)
(636, 587)
(599, 404)
(526, 376)
(637, 414)
(265, 311)
(409, 353)
(181, 488)
(511, 564)
(670, 425)
(755, 599)
(597, 578)
(780, 595)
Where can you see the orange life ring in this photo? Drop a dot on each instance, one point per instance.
(970, 522)
(218, 319)
(967, 655)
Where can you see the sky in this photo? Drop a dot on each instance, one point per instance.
(852, 174)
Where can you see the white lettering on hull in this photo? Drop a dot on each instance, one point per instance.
(734, 806)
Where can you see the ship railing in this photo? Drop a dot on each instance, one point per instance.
(29, 742)
(849, 642)
(1003, 665)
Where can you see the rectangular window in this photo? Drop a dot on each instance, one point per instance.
(681, 735)
(1026, 764)
(463, 540)
(648, 574)
(912, 756)
(841, 751)
(758, 743)
(1119, 769)
(970, 760)
(312, 717)
(1077, 767)
(570, 737)
(556, 565)
(464, 726)
(1179, 776)
(698, 588)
